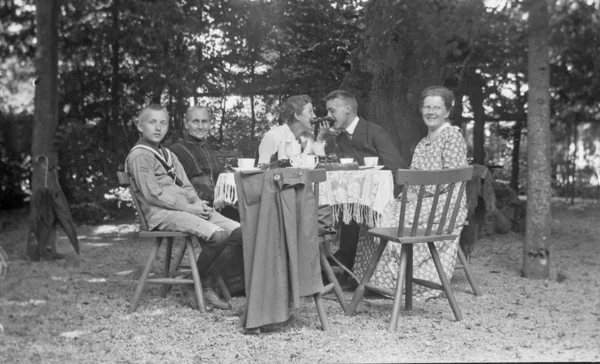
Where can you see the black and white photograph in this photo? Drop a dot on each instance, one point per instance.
(299, 181)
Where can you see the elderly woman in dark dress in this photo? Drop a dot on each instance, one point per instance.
(202, 166)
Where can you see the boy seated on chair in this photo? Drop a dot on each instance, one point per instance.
(169, 202)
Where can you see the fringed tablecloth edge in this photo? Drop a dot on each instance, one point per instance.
(225, 194)
(359, 213)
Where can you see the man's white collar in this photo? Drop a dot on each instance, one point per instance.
(352, 126)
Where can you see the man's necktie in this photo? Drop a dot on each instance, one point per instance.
(348, 135)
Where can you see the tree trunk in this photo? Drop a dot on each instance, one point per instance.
(516, 152)
(475, 87)
(517, 132)
(573, 162)
(536, 250)
(112, 127)
(406, 48)
(456, 116)
(253, 112)
(45, 117)
(223, 114)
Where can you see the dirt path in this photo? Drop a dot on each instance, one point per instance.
(74, 310)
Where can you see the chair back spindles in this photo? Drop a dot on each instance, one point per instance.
(402, 211)
(445, 183)
(415, 222)
(459, 198)
(126, 182)
(434, 204)
(450, 193)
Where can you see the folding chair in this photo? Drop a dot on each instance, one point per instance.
(169, 277)
(408, 233)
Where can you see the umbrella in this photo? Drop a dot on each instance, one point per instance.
(51, 207)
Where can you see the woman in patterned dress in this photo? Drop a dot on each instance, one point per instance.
(443, 148)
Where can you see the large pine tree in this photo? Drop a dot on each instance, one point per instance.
(536, 250)
(43, 150)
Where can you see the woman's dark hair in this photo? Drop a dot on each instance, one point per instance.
(292, 106)
(441, 91)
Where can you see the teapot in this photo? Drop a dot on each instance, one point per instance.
(288, 148)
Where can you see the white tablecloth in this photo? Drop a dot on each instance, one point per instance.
(359, 194)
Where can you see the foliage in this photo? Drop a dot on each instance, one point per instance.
(244, 57)
(14, 175)
(575, 42)
(409, 45)
(119, 55)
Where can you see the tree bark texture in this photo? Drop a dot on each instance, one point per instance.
(516, 153)
(475, 89)
(572, 166)
(517, 133)
(45, 119)
(46, 93)
(536, 250)
(112, 126)
(406, 48)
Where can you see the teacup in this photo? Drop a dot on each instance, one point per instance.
(346, 160)
(246, 163)
(371, 161)
(297, 161)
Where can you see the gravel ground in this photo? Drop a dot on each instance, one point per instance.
(74, 310)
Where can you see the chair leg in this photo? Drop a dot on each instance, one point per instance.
(469, 274)
(195, 275)
(179, 257)
(360, 290)
(408, 285)
(142, 282)
(444, 279)
(398, 293)
(177, 262)
(167, 268)
(318, 297)
(337, 289)
(223, 287)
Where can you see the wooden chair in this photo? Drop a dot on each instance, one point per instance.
(169, 277)
(408, 233)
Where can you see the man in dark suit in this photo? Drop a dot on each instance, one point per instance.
(358, 139)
